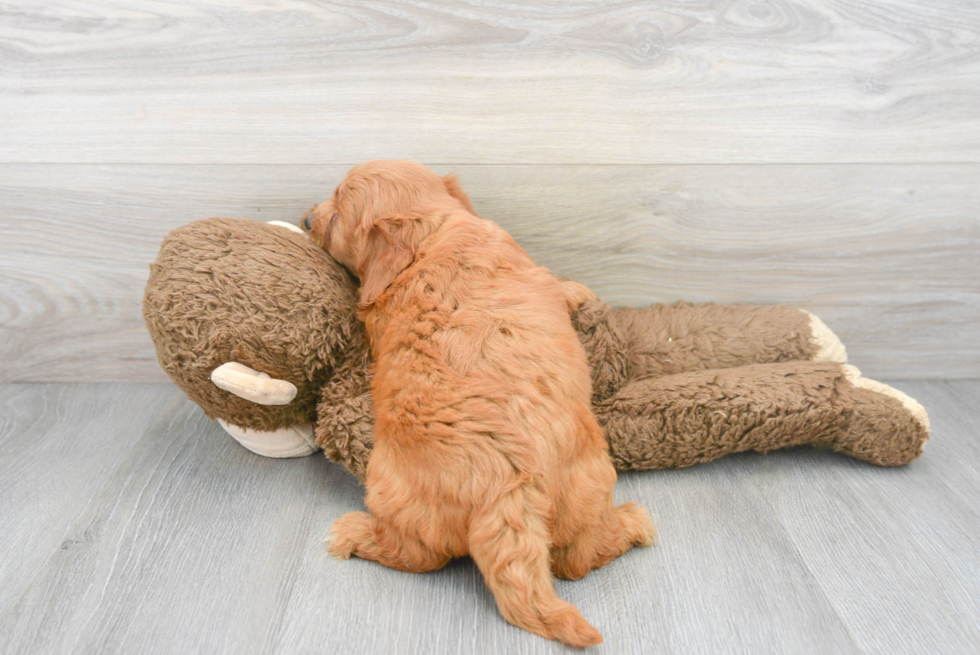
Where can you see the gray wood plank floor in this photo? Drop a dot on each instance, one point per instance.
(130, 523)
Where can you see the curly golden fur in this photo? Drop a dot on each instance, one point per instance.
(485, 441)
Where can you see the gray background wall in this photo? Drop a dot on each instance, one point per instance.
(824, 154)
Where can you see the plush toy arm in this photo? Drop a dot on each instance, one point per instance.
(668, 339)
(679, 420)
(345, 416)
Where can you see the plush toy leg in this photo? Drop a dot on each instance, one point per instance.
(667, 339)
(294, 441)
(683, 419)
(869, 418)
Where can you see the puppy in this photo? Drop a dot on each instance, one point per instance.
(485, 441)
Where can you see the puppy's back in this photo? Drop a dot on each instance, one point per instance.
(492, 314)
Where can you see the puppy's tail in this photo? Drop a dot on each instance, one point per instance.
(510, 544)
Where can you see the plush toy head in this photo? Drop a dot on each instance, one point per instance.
(231, 290)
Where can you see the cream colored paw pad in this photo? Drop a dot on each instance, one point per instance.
(829, 347)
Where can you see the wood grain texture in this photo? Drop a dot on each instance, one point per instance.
(182, 541)
(846, 530)
(190, 546)
(708, 81)
(887, 255)
(61, 445)
(728, 584)
(824, 154)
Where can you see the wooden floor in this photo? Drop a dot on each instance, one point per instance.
(819, 153)
(129, 523)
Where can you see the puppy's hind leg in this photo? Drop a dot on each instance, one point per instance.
(363, 535)
(637, 527)
(589, 530)
(616, 531)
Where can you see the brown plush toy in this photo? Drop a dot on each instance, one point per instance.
(257, 325)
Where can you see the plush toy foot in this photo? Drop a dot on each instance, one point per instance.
(882, 425)
(294, 441)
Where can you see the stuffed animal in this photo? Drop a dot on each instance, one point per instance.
(258, 326)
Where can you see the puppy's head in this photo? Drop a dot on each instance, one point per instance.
(379, 215)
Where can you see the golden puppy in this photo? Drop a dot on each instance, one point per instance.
(485, 441)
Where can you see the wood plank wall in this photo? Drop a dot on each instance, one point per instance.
(821, 153)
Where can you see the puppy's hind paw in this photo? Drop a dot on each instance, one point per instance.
(339, 547)
(637, 524)
(348, 533)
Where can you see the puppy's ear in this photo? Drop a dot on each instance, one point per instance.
(456, 191)
(389, 248)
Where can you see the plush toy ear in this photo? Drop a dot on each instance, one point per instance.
(389, 248)
(456, 191)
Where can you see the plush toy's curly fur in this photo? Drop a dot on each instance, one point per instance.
(673, 384)
(233, 290)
